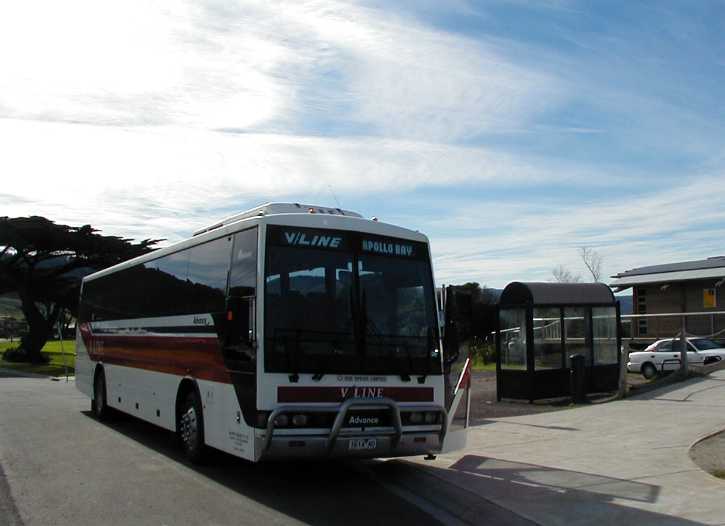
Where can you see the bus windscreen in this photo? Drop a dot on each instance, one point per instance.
(343, 302)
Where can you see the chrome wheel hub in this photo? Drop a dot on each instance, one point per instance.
(189, 428)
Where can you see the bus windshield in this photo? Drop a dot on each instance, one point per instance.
(355, 307)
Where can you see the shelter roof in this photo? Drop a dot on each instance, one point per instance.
(518, 293)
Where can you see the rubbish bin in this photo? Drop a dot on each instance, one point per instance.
(578, 378)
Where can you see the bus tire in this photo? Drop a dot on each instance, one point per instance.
(99, 403)
(191, 428)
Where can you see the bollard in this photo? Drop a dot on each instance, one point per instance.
(578, 379)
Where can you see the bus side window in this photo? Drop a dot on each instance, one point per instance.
(240, 320)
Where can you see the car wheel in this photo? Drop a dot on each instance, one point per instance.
(711, 359)
(649, 371)
(99, 404)
(191, 428)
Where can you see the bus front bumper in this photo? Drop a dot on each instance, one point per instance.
(339, 441)
(357, 446)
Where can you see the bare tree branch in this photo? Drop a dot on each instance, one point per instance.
(593, 261)
(561, 274)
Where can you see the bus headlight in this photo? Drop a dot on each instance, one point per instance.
(431, 417)
(299, 420)
(281, 421)
(415, 417)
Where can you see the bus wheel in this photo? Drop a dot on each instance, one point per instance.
(191, 428)
(98, 404)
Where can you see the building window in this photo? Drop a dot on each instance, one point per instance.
(642, 309)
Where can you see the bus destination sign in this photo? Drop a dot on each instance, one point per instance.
(388, 248)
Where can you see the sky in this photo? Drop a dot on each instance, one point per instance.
(511, 132)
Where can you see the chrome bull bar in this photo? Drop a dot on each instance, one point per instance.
(356, 403)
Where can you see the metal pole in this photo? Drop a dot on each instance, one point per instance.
(683, 352)
(62, 351)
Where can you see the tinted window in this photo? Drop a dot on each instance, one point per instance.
(243, 274)
(348, 302)
(165, 285)
(397, 309)
(308, 308)
(186, 282)
(207, 274)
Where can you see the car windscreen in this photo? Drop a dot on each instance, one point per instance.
(702, 344)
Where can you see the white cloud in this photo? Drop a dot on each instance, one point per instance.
(511, 241)
(149, 176)
(165, 75)
(216, 65)
(136, 63)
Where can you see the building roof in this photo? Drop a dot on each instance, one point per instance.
(518, 293)
(713, 267)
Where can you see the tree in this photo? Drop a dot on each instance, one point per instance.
(561, 274)
(474, 314)
(593, 261)
(44, 262)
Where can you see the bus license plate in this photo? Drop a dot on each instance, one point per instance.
(362, 444)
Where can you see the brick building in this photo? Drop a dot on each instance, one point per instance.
(690, 286)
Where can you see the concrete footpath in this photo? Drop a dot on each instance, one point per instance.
(623, 462)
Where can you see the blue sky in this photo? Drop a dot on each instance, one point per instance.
(512, 132)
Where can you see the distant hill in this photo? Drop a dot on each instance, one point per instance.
(625, 304)
(10, 306)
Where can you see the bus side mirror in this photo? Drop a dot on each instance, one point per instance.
(451, 344)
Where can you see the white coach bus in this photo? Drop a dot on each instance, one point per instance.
(286, 331)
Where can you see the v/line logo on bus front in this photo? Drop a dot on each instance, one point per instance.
(301, 239)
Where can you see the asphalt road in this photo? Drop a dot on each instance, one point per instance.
(62, 466)
(59, 465)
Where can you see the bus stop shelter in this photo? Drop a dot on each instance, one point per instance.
(541, 325)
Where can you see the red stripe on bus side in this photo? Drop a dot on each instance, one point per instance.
(178, 355)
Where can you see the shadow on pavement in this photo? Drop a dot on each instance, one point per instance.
(659, 392)
(315, 492)
(555, 496)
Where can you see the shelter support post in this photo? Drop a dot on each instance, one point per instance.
(683, 350)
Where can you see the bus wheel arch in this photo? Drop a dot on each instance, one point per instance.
(190, 420)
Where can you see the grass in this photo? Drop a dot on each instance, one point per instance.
(52, 350)
(479, 366)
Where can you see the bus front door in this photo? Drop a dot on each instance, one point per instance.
(458, 404)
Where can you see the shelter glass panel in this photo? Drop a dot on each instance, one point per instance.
(547, 338)
(604, 329)
(513, 338)
(576, 329)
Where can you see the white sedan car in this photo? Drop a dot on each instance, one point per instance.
(664, 355)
